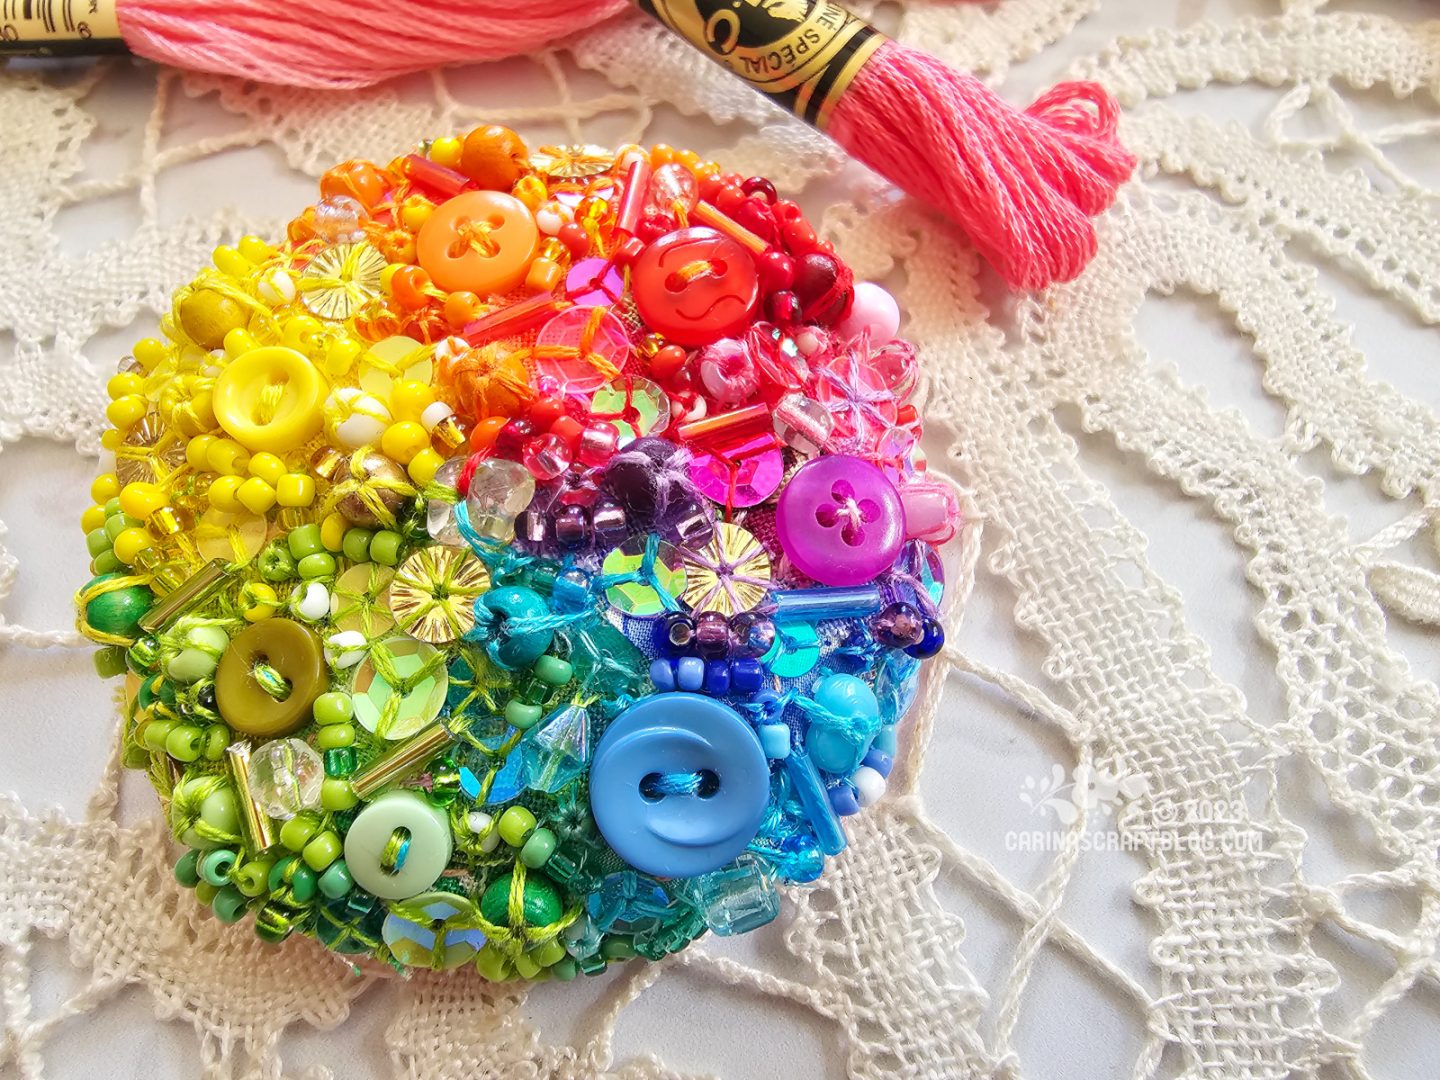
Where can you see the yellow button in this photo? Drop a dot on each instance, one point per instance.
(269, 399)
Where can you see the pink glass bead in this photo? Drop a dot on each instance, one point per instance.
(856, 395)
(598, 443)
(932, 509)
(728, 372)
(840, 521)
(874, 311)
(609, 342)
(594, 283)
(671, 184)
(802, 423)
(742, 476)
(546, 457)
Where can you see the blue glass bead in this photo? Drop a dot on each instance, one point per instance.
(747, 675)
(843, 800)
(675, 634)
(678, 832)
(795, 858)
(765, 707)
(735, 899)
(814, 605)
(879, 760)
(896, 684)
(662, 674)
(571, 591)
(717, 677)
(809, 789)
(774, 740)
(887, 741)
(581, 938)
(555, 754)
(931, 643)
(841, 732)
(690, 673)
(626, 902)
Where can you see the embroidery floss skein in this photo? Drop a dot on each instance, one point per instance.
(1023, 185)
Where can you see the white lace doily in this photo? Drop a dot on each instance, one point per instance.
(1171, 799)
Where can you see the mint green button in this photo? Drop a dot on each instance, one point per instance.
(398, 845)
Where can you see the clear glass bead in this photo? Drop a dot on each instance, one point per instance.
(285, 778)
(338, 219)
(499, 491)
(440, 515)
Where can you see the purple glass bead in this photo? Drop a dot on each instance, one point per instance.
(530, 527)
(675, 633)
(694, 525)
(840, 520)
(899, 626)
(608, 519)
(634, 481)
(751, 634)
(572, 527)
(712, 635)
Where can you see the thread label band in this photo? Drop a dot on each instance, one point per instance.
(59, 27)
(803, 54)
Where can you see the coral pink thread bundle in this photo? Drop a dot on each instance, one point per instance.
(1023, 185)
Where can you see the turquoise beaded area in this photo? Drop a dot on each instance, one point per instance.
(529, 595)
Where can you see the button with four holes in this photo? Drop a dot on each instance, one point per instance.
(481, 242)
(840, 520)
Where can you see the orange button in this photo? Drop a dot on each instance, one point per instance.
(480, 241)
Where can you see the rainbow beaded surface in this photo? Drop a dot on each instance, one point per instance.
(525, 564)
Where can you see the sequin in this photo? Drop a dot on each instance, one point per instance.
(636, 406)
(357, 601)
(653, 565)
(432, 594)
(728, 574)
(572, 162)
(341, 280)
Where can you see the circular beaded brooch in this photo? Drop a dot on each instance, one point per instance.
(525, 564)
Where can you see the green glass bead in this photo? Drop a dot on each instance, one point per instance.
(322, 850)
(304, 540)
(492, 965)
(337, 794)
(617, 947)
(155, 734)
(320, 564)
(336, 881)
(520, 715)
(205, 892)
(551, 669)
(229, 904)
(112, 506)
(253, 878)
(356, 545)
(98, 541)
(191, 665)
(564, 969)
(149, 689)
(548, 953)
(114, 526)
(340, 761)
(106, 563)
(541, 906)
(333, 707)
(187, 872)
(110, 661)
(526, 967)
(538, 848)
(215, 866)
(275, 922)
(298, 831)
(217, 738)
(119, 612)
(218, 810)
(515, 824)
(143, 658)
(335, 737)
(185, 742)
(592, 965)
(276, 563)
(292, 881)
(385, 547)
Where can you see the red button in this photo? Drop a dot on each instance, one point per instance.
(696, 286)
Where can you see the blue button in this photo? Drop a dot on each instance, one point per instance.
(661, 827)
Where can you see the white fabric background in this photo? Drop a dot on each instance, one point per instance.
(1268, 175)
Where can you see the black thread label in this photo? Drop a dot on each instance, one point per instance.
(803, 54)
(59, 28)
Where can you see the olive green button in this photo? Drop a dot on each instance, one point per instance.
(398, 845)
(278, 647)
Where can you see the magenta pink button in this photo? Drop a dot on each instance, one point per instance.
(840, 520)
